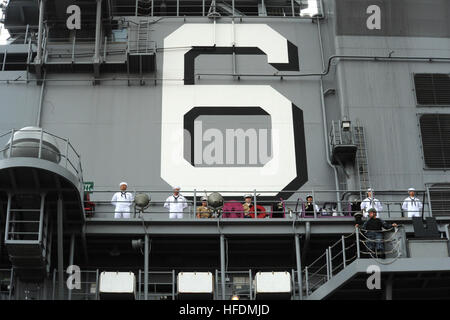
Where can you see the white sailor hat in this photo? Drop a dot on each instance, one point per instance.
(411, 189)
(308, 195)
(247, 195)
(123, 183)
(370, 190)
(204, 198)
(176, 187)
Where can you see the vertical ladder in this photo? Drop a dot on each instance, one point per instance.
(143, 37)
(361, 157)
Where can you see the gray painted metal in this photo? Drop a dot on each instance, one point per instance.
(402, 18)
(299, 266)
(146, 256)
(60, 232)
(71, 256)
(361, 265)
(280, 227)
(428, 248)
(222, 266)
(366, 86)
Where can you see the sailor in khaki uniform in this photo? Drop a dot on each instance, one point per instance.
(203, 211)
(412, 205)
(247, 205)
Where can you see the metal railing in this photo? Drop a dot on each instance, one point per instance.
(42, 145)
(230, 8)
(6, 284)
(296, 207)
(237, 284)
(160, 286)
(340, 135)
(358, 244)
(89, 286)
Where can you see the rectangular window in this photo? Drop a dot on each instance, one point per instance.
(435, 129)
(432, 88)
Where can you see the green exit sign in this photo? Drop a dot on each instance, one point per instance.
(88, 186)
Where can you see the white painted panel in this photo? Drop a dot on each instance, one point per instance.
(273, 282)
(195, 282)
(117, 282)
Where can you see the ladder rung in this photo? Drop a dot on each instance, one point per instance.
(23, 221)
(13, 232)
(22, 210)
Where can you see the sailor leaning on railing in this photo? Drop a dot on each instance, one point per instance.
(373, 228)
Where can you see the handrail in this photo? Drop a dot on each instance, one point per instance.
(69, 155)
(310, 278)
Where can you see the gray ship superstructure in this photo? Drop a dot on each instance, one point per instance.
(280, 99)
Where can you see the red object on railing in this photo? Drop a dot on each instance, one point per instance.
(89, 206)
(261, 211)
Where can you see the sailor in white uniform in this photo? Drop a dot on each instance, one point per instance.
(412, 205)
(122, 201)
(176, 203)
(370, 202)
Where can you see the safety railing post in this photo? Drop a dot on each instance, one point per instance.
(173, 284)
(314, 207)
(54, 284)
(430, 210)
(330, 257)
(11, 282)
(104, 49)
(73, 46)
(4, 60)
(67, 152)
(195, 203)
(358, 252)
(140, 284)
(26, 34)
(136, 8)
(344, 258)
(203, 8)
(250, 284)
(292, 8)
(328, 265)
(40, 143)
(97, 289)
(11, 143)
(254, 205)
(306, 282)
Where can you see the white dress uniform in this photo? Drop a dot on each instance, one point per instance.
(123, 202)
(412, 206)
(176, 205)
(368, 203)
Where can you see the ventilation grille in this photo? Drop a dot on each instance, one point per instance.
(435, 129)
(432, 88)
(440, 199)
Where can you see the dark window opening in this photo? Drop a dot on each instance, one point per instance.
(432, 88)
(435, 129)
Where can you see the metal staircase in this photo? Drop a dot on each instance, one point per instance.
(361, 157)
